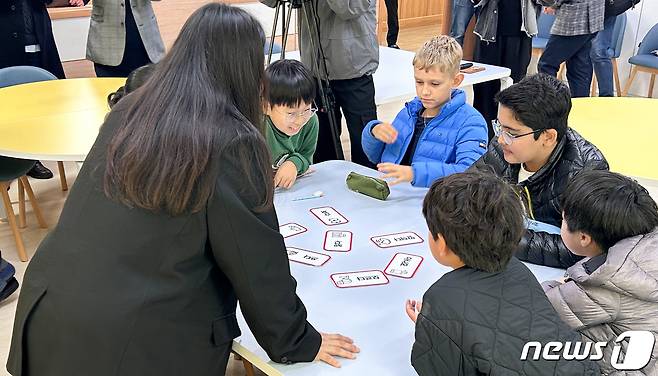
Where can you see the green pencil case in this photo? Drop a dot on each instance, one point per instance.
(367, 185)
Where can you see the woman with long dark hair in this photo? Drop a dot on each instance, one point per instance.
(168, 225)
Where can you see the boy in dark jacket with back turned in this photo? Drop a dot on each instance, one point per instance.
(477, 318)
(535, 150)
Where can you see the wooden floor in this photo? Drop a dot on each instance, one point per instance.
(51, 198)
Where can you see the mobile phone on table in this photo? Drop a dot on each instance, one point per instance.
(465, 65)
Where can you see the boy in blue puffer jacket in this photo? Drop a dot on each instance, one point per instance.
(437, 133)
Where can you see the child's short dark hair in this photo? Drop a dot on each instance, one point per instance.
(479, 216)
(135, 79)
(539, 102)
(608, 207)
(289, 83)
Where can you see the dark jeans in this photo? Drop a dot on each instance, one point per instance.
(33, 59)
(513, 52)
(356, 98)
(393, 21)
(462, 12)
(575, 51)
(601, 54)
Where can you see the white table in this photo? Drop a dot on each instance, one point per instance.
(373, 316)
(394, 79)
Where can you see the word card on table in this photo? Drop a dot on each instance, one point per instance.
(359, 279)
(290, 229)
(338, 241)
(329, 216)
(396, 240)
(403, 265)
(303, 256)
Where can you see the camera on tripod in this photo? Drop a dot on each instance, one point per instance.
(327, 102)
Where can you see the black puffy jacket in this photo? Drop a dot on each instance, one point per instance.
(477, 323)
(542, 192)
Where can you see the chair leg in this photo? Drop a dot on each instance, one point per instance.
(560, 72)
(33, 202)
(630, 82)
(22, 221)
(248, 367)
(593, 89)
(62, 176)
(11, 218)
(651, 83)
(615, 71)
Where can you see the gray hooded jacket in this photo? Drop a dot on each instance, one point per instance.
(610, 294)
(348, 38)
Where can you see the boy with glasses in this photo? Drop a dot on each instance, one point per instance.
(291, 125)
(536, 150)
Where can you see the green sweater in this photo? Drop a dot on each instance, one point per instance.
(298, 148)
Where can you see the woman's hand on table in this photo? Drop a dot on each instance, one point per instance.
(336, 345)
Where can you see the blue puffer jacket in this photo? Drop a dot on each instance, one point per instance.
(451, 142)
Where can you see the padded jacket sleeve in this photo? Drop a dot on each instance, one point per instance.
(434, 352)
(542, 248)
(470, 146)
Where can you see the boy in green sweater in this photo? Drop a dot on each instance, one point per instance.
(291, 124)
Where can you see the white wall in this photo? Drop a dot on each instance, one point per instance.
(71, 37)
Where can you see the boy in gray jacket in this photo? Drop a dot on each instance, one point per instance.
(613, 221)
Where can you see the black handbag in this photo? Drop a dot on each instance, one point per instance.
(613, 8)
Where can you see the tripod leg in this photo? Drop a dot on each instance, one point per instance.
(273, 35)
(286, 31)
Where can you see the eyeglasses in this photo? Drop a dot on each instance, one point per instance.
(508, 138)
(304, 115)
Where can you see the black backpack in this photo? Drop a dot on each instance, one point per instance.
(613, 8)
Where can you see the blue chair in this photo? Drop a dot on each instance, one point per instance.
(276, 49)
(645, 61)
(25, 74)
(614, 50)
(14, 168)
(544, 25)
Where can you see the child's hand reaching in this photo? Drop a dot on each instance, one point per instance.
(400, 173)
(385, 132)
(286, 175)
(413, 309)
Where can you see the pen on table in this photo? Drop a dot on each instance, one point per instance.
(315, 194)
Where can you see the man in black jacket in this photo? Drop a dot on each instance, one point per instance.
(536, 150)
(478, 318)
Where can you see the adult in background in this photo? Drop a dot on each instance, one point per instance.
(462, 12)
(601, 58)
(505, 29)
(170, 223)
(576, 24)
(123, 36)
(26, 38)
(348, 40)
(393, 23)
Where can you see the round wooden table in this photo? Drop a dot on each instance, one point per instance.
(624, 129)
(54, 120)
